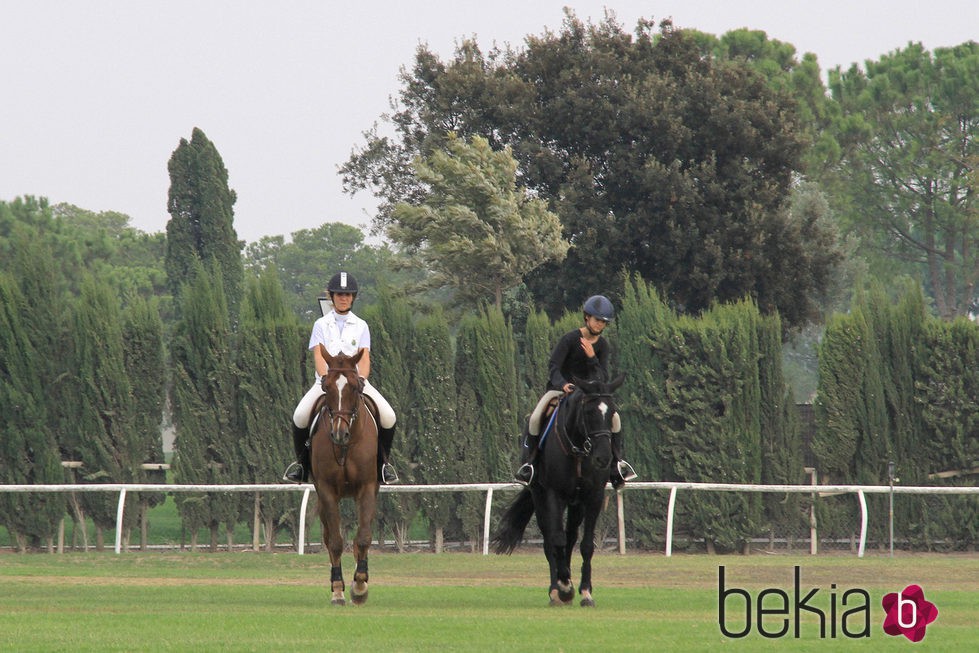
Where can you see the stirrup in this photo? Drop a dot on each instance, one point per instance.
(388, 474)
(294, 473)
(525, 474)
(626, 471)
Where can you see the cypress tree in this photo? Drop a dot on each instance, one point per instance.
(145, 362)
(43, 319)
(392, 333)
(537, 344)
(849, 412)
(642, 337)
(470, 424)
(28, 450)
(201, 225)
(269, 376)
(839, 406)
(111, 449)
(203, 406)
(713, 437)
(947, 385)
(496, 376)
(436, 449)
(781, 447)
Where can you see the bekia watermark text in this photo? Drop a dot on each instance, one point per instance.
(805, 611)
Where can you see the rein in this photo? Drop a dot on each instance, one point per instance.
(567, 444)
(349, 417)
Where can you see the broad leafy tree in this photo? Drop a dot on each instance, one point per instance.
(312, 256)
(657, 156)
(475, 230)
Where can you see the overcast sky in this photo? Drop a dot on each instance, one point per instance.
(96, 94)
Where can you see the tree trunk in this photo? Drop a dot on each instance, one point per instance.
(439, 539)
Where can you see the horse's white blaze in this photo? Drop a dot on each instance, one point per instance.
(603, 408)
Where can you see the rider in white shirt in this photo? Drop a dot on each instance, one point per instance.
(341, 331)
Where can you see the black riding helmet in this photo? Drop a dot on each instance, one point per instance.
(599, 306)
(342, 282)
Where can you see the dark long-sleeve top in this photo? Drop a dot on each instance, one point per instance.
(568, 360)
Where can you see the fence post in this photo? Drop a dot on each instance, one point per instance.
(863, 523)
(302, 522)
(813, 535)
(486, 520)
(119, 509)
(620, 513)
(669, 522)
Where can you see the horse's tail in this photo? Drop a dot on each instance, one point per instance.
(513, 523)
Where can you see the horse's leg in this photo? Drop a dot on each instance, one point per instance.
(333, 540)
(555, 548)
(591, 511)
(542, 515)
(366, 508)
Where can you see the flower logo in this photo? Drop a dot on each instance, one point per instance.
(908, 613)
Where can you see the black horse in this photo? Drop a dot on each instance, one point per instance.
(574, 466)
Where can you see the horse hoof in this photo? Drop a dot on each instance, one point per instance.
(338, 601)
(358, 594)
(565, 593)
(588, 602)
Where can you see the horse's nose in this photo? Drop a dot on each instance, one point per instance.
(341, 436)
(602, 457)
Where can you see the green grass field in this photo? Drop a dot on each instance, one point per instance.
(450, 602)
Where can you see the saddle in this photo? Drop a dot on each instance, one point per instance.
(545, 419)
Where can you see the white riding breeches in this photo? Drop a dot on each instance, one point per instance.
(534, 425)
(304, 410)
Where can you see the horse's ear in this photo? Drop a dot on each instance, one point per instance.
(356, 357)
(616, 382)
(324, 353)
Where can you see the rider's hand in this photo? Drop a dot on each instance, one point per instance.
(568, 388)
(588, 348)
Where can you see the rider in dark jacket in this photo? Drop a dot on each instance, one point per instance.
(582, 353)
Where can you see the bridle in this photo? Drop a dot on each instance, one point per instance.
(339, 435)
(584, 450)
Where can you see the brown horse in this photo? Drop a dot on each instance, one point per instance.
(344, 464)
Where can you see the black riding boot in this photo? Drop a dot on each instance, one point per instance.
(622, 471)
(525, 474)
(385, 470)
(298, 472)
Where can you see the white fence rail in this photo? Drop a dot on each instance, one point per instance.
(489, 488)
